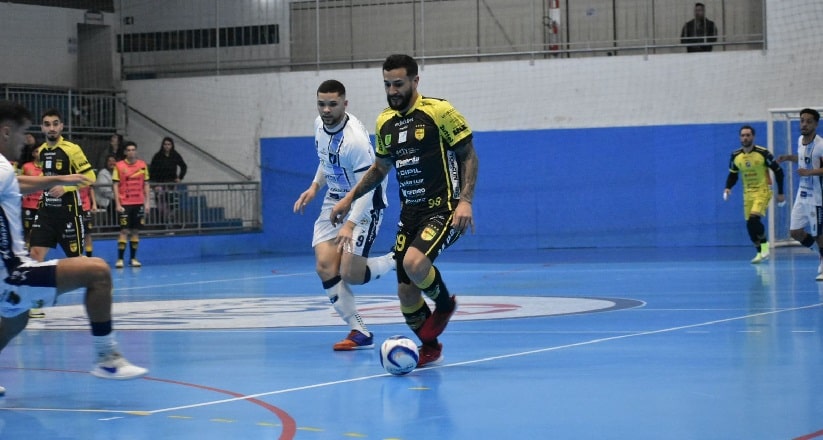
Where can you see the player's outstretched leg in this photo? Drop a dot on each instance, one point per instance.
(94, 275)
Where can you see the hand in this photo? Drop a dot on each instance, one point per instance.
(120, 209)
(781, 200)
(305, 197)
(463, 217)
(340, 210)
(345, 238)
(57, 191)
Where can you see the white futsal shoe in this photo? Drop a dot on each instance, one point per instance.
(115, 366)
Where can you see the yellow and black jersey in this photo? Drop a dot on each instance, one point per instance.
(421, 144)
(754, 167)
(62, 159)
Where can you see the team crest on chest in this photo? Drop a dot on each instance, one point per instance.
(58, 164)
(419, 133)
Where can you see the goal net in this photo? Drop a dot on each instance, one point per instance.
(783, 132)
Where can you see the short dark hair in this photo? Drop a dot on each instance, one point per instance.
(52, 112)
(810, 111)
(700, 4)
(14, 112)
(746, 127)
(129, 144)
(332, 86)
(398, 61)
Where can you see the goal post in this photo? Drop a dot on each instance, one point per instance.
(783, 128)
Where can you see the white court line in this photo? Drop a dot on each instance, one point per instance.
(487, 359)
(225, 280)
(457, 364)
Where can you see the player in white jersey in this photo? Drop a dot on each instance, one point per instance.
(28, 283)
(342, 251)
(807, 211)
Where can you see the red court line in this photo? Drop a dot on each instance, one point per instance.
(810, 436)
(289, 425)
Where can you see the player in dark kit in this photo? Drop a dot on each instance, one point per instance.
(59, 217)
(429, 144)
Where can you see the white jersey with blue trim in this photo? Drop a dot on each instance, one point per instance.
(810, 189)
(12, 244)
(345, 154)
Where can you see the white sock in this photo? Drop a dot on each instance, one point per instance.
(345, 306)
(380, 265)
(104, 345)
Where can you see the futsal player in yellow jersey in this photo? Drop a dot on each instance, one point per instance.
(753, 163)
(429, 144)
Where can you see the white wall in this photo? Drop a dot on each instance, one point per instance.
(34, 43)
(228, 114)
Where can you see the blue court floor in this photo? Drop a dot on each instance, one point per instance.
(691, 343)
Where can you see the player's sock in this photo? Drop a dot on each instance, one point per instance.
(103, 336)
(377, 266)
(435, 289)
(416, 315)
(808, 241)
(89, 250)
(133, 247)
(121, 249)
(342, 299)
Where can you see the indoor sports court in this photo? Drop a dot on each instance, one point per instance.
(607, 344)
(606, 292)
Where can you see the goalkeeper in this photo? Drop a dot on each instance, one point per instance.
(753, 163)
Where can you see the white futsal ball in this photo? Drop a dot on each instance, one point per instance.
(398, 355)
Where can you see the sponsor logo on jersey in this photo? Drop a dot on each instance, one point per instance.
(406, 162)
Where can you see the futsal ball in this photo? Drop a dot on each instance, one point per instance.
(398, 355)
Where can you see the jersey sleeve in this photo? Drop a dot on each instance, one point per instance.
(733, 166)
(453, 126)
(381, 140)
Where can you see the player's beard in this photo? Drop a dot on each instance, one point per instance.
(52, 137)
(400, 101)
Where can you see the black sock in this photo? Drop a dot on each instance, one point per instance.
(438, 292)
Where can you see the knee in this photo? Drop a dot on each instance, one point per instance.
(326, 270)
(798, 234)
(416, 267)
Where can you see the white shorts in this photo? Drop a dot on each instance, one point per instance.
(806, 215)
(31, 285)
(363, 234)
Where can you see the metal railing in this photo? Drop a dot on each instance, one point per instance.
(193, 208)
(85, 111)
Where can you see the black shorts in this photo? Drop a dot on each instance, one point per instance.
(430, 234)
(88, 220)
(53, 226)
(132, 217)
(28, 218)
